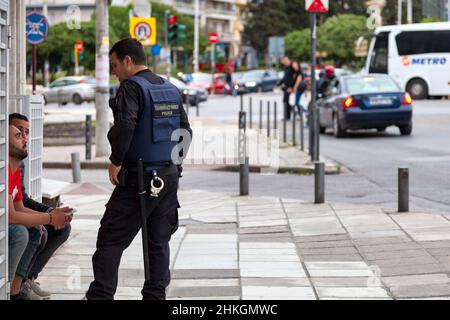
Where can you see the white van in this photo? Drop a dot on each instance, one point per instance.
(417, 56)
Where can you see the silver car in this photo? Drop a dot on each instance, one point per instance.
(76, 89)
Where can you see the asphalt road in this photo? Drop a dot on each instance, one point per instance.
(370, 160)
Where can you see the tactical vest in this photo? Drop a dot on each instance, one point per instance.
(152, 139)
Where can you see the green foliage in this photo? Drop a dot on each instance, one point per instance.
(336, 36)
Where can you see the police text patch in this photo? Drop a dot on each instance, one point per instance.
(166, 110)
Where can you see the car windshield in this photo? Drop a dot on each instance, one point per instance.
(201, 77)
(370, 84)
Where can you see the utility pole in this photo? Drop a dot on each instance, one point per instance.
(448, 10)
(102, 78)
(399, 17)
(410, 12)
(196, 35)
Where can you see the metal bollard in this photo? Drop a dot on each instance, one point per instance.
(250, 107)
(403, 190)
(242, 103)
(284, 130)
(268, 118)
(302, 132)
(76, 167)
(275, 124)
(260, 114)
(88, 134)
(197, 105)
(294, 142)
(244, 171)
(319, 182)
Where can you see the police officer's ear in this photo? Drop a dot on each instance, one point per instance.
(127, 61)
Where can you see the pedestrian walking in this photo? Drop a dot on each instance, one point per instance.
(150, 125)
(287, 85)
(299, 86)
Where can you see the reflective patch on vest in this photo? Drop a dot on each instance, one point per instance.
(166, 110)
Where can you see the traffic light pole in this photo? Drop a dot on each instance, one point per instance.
(196, 36)
(313, 114)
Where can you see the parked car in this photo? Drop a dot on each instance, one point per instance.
(205, 81)
(188, 93)
(365, 102)
(76, 89)
(257, 81)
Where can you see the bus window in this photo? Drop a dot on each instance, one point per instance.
(379, 58)
(422, 42)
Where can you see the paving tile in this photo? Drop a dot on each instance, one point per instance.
(187, 292)
(265, 230)
(385, 255)
(276, 282)
(332, 257)
(411, 269)
(277, 293)
(321, 251)
(351, 292)
(439, 251)
(204, 283)
(435, 244)
(319, 238)
(418, 279)
(381, 240)
(205, 273)
(421, 291)
(390, 247)
(403, 261)
(346, 282)
(325, 244)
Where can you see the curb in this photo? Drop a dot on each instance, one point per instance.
(301, 170)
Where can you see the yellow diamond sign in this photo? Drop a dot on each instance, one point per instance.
(144, 30)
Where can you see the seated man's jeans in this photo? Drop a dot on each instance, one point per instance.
(22, 245)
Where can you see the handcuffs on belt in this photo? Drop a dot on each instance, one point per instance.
(155, 190)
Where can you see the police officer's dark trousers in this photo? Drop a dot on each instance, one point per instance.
(120, 224)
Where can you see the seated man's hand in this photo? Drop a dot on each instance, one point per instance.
(59, 217)
(113, 173)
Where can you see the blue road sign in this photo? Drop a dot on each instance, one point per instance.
(156, 50)
(36, 28)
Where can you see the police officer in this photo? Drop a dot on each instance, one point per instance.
(148, 113)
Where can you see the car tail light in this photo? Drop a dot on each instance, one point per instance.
(407, 100)
(349, 103)
(82, 81)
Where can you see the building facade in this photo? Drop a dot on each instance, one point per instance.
(436, 9)
(221, 16)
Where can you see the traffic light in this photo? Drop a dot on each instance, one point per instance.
(175, 31)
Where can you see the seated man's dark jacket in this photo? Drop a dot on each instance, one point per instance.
(27, 201)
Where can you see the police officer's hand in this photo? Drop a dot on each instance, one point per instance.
(113, 173)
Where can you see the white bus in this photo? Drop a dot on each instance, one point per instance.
(417, 56)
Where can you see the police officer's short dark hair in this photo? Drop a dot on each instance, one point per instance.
(17, 116)
(129, 47)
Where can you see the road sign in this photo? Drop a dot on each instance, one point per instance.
(144, 30)
(317, 5)
(156, 50)
(36, 28)
(213, 38)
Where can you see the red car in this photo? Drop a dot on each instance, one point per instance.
(204, 80)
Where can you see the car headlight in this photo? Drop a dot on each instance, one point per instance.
(236, 87)
(250, 84)
(185, 92)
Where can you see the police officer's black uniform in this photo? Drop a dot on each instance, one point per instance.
(147, 109)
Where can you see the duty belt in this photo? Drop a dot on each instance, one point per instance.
(128, 176)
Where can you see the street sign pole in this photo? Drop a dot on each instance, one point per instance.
(312, 114)
(213, 60)
(34, 63)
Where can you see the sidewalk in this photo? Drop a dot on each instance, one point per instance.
(215, 145)
(230, 247)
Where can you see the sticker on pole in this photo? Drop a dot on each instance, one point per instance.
(36, 28)
(144, 30)
(317, 5)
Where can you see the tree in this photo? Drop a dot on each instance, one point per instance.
(268, 19)
(336, 36)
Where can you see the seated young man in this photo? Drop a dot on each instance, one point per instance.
(51, 238)
(23, 221)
